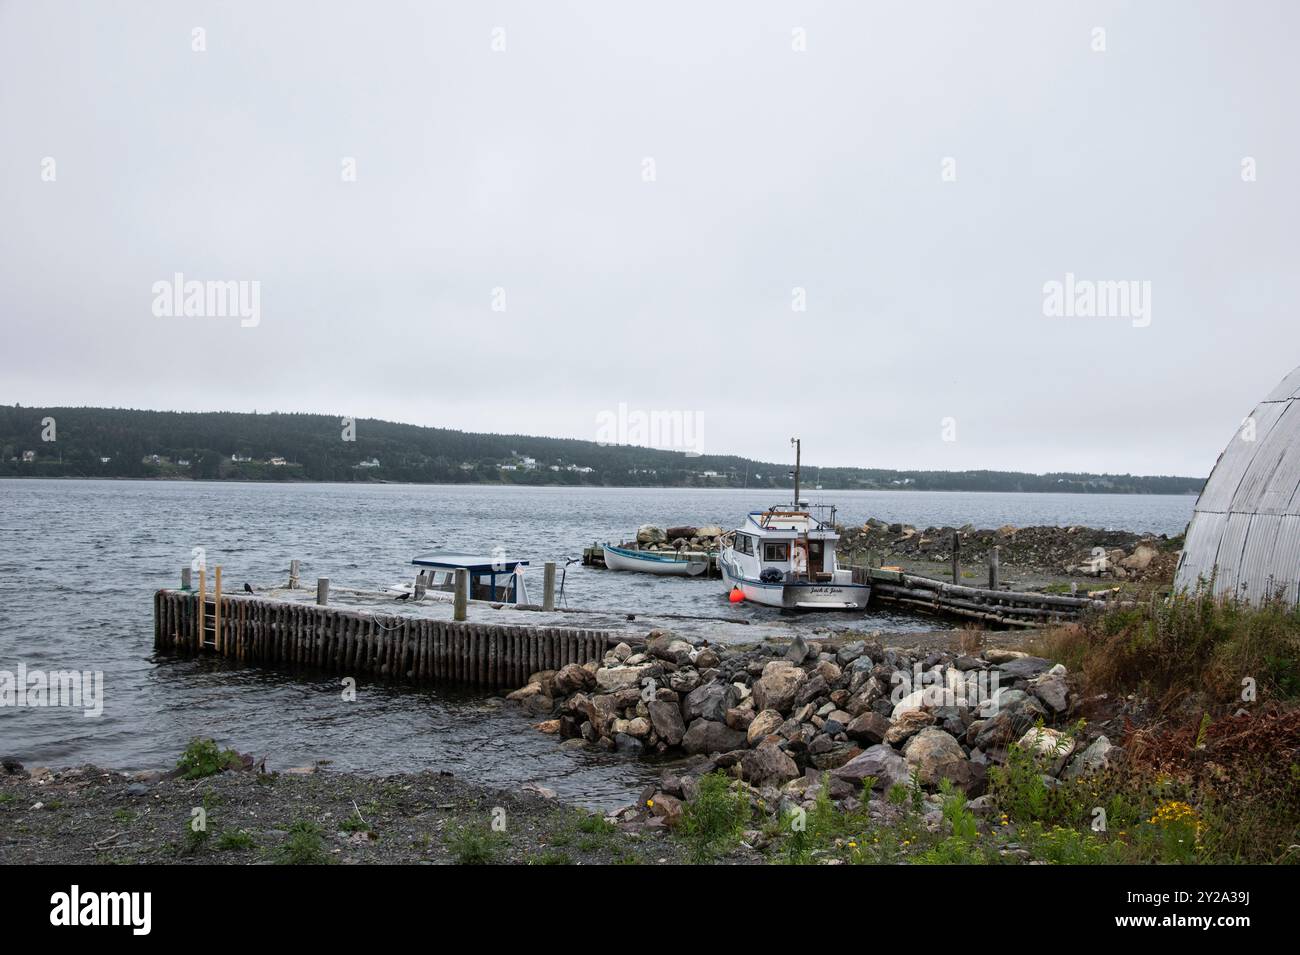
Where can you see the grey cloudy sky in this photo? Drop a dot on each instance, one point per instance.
(775, 169)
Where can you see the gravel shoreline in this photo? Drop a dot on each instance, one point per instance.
(91, 816)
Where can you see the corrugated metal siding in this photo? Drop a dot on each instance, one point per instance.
(1246, 529)
(1285, 565)
(1256, 568)
(1228, 560)
(1221, 488)
(1200, 549)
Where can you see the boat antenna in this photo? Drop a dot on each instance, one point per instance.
(795, 442)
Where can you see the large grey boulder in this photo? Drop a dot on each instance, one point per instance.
(666, 718)
(1098, 757)
(869, 728)
(778, 687)
(768, 765)
(882, 762)
(935, 755)
(649, 534)
(708, 736)
(709, 702)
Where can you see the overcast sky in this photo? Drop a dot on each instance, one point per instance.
(795, 146)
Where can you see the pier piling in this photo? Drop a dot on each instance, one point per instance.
(462, 594)
(548, 586)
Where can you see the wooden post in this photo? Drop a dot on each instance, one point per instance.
(421, 582)
(548, 585)
(462, 594)
(322, 591)
(993, 567)
(216, 593)
(186, 579)
(956, 557)
(293, 575)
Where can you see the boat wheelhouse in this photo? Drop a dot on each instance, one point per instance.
(490, 578)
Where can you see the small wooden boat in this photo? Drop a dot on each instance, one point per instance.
(654, 562)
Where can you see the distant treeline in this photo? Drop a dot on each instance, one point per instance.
(110, 442)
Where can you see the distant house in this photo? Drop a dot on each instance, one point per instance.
(29, 456)
(555, 467)
(507, 467)
(278, 461)
(106, 460)
(182, 462)
(372, 463)
(152, 459)
(578, 469)
(528, 463)
(239, 458)
(710, 474)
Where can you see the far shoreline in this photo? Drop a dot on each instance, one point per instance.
(573, 487)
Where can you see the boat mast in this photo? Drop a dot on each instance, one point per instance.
(795, 442)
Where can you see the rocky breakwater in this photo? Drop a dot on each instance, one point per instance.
(707, 537)
(1073, 551)
(786, 720)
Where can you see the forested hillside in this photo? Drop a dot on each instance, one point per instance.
(110, 442)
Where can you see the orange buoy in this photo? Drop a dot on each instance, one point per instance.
(737, 595)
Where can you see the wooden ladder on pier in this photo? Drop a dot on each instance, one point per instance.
(209, 617)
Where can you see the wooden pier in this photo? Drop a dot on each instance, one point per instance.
(259, 631)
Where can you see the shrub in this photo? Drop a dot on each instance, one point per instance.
(202, 758)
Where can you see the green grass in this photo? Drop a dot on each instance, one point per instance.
(712, 822)
(234, 839)
(304, 845)
(474, 844)
(550, 857)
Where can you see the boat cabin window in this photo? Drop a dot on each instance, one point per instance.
(744, 544)
(776, 552)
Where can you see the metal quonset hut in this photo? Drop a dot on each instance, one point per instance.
(1245, 532)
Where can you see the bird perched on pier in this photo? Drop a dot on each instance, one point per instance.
(248, 588)
(405, 596)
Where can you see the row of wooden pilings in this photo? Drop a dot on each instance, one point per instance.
(1009, 608)
(255, 631)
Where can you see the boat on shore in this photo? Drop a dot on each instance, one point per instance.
(655, 562)
(785, 557)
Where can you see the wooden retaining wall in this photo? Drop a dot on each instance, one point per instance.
(279, 633)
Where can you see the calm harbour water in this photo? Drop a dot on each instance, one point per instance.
(79, 561)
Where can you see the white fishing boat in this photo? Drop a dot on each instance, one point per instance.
(785, 557)
(655, 562)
